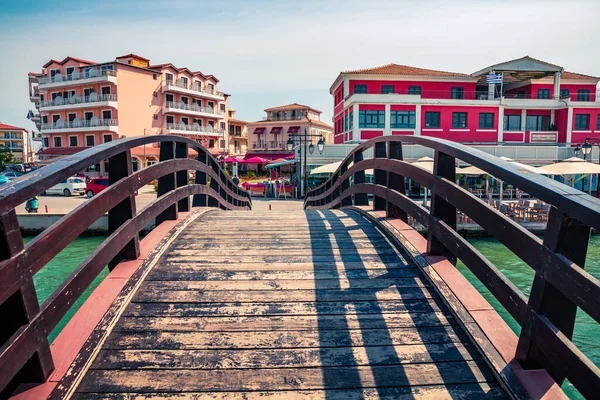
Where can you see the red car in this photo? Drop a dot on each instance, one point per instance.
(95, 186)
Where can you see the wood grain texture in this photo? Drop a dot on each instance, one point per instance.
(315, 304)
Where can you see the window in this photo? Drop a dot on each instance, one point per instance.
(351, 120)
(184, 81)
(184, 120)
(360, 88)
(184, 100)
(387, 89)
(68, 94)
(73, 141)
(414, 90)
(537, 123)
(154, 76)
(583, 95)
(222, 143)
(598, 123)
(211, 143)
(346, 122)
(72, 117)
(222, 107)
(211, 105)
(90, 140)
(198, 85)
(108, 67)
(46, 142)
(170, 119)
(457, 93)
(521, 94)
(432, 119)
(41, 97)
(459, 120)
(222, 125)
(543, 93)
(512, 122)
(54, 72)
(211, 88)
(565, 93)
(210, 123)
(371, 119)
(44, 119)
(168, 77)
(87, 92)
(402, 119)
(169, 98)
(55, 118)
(486, 120)
(582, 122)
(107, 138)
(70, 70)
(107, 114)
(57, 141)
(88, 115)
(105, 90)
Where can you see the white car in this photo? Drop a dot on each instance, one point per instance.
(68, 187)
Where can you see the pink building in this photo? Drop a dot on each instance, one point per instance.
(14, 140)
(533, 102)
(268, 138)
(84, 103)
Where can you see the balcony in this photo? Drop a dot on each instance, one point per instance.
(193, 109)
(78, 125)
(34, 94)
(192, 90)
(77, 101)
(78, 78)
(290, 118)
(194, 129)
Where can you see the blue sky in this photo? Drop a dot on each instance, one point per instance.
(268, 53)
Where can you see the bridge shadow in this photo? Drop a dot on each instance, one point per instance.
(366, 311)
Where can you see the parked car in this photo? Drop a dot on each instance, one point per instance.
(10, 175)
(3, 180)
(95, 186)
(68, 187)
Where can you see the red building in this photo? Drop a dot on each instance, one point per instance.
(534, 102)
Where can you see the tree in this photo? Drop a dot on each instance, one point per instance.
(6, 157)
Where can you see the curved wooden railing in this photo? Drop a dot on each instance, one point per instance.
(24, 324)
(560, 285)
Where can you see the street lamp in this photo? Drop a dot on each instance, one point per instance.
(321, 145)
(303, 140)
(290, 144)
(577, 150)
(586, 149)
(311, 148)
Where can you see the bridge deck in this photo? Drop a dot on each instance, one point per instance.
(317, 304)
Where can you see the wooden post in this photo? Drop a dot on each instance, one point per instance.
(17, 310)
(182, 177)
(167, 183)
(380, 177)
(569, 237)
(346, 200)
(214, 184)
(223, 183)
(360, 199)
(199, 200)
(119, 167)
(396, 182)
(443, 167)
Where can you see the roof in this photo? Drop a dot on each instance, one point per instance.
(293, 106)
(396, 69)
(11, 127)
(523, 64)
(67, 59)
(134, 56)
(235, 120)
(184, 69)
(60, 151)
(290, 122)
(573, 75)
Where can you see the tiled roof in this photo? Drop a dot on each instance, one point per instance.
(60, 151)
(67, 59)
(573, 75)
(395, 69)
(293, 106)
(184, 69)
(134, 56)
(10, 127)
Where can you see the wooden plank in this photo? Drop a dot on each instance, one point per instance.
(282, 308)
(291, 252)
(164, 340)
(199, 273)
(286, 284)
(283, 258)
(474, 391)
(283, 358)
(148, 294)
(209, 265)
(287, 323)
(284, 378)
(266, 246)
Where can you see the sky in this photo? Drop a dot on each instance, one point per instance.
(272, 52)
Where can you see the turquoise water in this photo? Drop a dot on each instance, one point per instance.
(585, 337)
(587, 331)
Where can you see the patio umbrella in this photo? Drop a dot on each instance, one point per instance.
(326, 169)
(571, 166)
(252, 160)
(425, 163)
(230, 160)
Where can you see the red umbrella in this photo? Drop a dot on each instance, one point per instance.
(230, 160)
(253, 160)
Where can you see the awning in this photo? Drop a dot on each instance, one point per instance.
(293, 129)
(570, 166)
(270, 156)
(281, 163)
(258, 131)
(326, 169)
(276, 129)
(252, 160)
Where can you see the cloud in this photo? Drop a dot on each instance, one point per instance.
(271, 52)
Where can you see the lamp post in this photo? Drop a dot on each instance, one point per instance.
(303, 139)
(587, 149)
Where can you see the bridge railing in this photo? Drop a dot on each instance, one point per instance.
(24, 323)
(560, 286)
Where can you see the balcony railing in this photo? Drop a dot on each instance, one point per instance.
(76, 75)
(193, 87)
(195, 128)
(78, 123)
(194, 107)
(281, 118)
(11, 136)
(276, 145)
(77, 99)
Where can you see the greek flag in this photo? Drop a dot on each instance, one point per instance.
(493, 78)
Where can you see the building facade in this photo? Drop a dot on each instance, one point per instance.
(268, 138)
(15, 140)
(237, 139)
(530, 101)
(83, 103)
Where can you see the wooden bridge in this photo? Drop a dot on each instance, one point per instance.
(342, 300)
